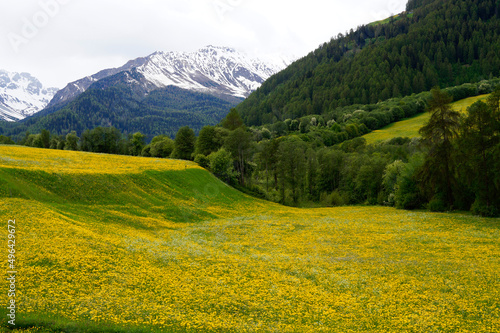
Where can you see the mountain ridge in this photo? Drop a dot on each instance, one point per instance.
(22, 95)
(213, 70)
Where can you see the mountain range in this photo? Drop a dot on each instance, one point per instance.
(219, 71)
(22, 95)
(156, 94)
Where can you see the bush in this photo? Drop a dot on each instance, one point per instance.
(437, 204)
(333, 199)
(408, 195)
(202, 161)
(162, 148)
(221, 165)
(5, 140)
(397, 113)
(482, 209)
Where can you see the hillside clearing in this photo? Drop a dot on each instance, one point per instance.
(409, 127)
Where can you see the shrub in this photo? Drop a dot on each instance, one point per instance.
(202, 161)
(333, 199)
(482, 209)
(221, 164)
(162, 148)
(437, 204)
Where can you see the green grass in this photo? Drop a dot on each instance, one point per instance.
(409, 127)
(179, 251)
(394, 18)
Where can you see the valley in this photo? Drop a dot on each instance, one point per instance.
(148, 245)
(354, 189)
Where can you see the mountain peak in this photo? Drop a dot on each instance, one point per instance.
(216, 70)
(22, 95)
(209, 48)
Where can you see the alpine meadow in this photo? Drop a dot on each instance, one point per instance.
(112, 244)
(355, 189)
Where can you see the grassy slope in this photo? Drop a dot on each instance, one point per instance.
(120, 244)
(409, 127)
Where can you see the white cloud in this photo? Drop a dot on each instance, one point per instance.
(63, 40)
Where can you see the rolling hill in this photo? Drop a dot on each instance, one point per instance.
(126, 244)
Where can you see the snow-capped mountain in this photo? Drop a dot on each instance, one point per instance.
(22, 95)
(214, 70)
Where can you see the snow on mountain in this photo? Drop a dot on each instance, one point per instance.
(213, 70)
(22, 95)
(210, 69)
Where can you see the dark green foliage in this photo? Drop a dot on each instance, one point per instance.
(161, 146)
(237, 144)
(221, 165)
(45, 138)
(292, 164)
(5, 140)
(71, 141)
(232, 120)
(102, 140)
(209, 140)
(445, 43)
(184, 144)
(137, 144)
(438, 204)
(202, 161)
(438, 134)
(478, 164)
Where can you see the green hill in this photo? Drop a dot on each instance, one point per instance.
(409, 127)
(108, 243)
(442, 43)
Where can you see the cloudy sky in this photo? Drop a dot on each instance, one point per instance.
(60, 41)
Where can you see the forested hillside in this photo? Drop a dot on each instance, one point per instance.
(163, 111)
(434, 43)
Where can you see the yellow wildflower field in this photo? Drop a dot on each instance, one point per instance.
(80, 162)
(251, 266)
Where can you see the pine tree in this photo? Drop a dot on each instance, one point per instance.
(437, 135)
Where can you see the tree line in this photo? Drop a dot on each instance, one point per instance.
(455, 164)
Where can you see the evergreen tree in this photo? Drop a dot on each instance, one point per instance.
(480, 137)
(232, 120)
(437, 135)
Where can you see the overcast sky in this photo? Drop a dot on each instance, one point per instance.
(60, 41)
